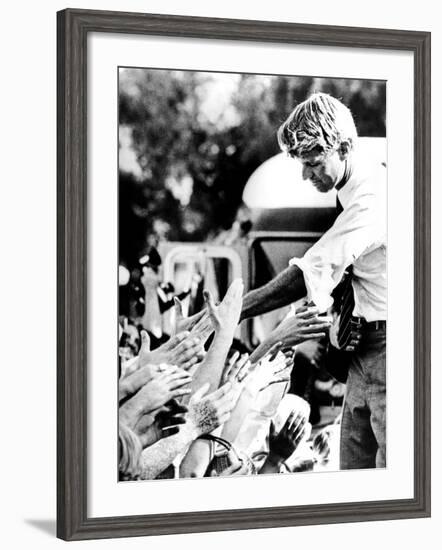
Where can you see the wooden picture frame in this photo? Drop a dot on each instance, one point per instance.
(73, 28)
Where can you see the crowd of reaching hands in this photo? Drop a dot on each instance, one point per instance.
(195, 407)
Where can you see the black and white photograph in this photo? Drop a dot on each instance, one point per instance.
(252, 284)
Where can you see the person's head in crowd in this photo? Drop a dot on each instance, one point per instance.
(321, 133)
(129, 453)
(129, 343)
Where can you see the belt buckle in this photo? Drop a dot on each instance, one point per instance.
(370, 325)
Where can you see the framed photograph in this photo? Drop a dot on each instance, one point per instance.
(243, 207)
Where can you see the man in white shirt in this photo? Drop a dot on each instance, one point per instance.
(321, 134)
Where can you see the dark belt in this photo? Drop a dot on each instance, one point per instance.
(371, 325)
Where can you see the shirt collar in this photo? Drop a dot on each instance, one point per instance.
(348, 171)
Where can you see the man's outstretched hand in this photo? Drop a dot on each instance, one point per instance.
(304, 325)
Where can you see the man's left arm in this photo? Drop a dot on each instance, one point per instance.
(287, 287)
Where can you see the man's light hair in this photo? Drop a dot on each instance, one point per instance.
(320, 122)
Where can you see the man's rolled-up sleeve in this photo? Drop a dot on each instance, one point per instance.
(355, 231)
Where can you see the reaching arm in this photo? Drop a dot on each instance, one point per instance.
(159, 456)
(283, 444)
(205, 414)
(304, 325)
(287, 287)
(151, 320)
(225, 319)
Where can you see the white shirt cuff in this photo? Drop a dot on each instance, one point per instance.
(320, 297)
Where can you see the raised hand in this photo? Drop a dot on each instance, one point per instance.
(293, 330)
(164, 387)
(167, 385)
(207, 412)
(225, 317)
(273, 368)
(151, 429)
(144, 353)
(236, 368)
(283, 444)
(143, 359)
(181, 350)
(204, 326)
(134, 381)
(183, 323)
(187, 353)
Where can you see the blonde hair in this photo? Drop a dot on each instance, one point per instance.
(320, 122)
(129, 453)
